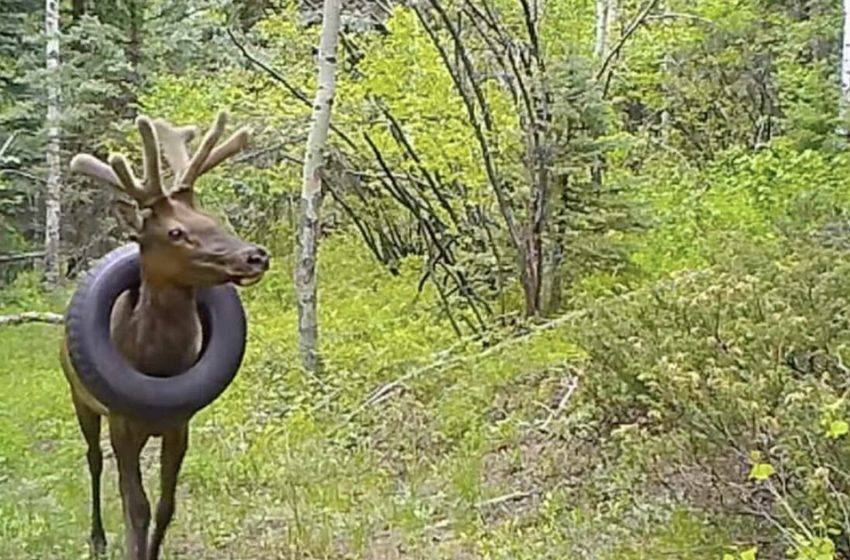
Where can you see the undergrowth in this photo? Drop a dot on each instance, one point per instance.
(695, 410)
(628, 429)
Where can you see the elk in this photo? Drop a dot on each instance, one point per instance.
(157, 328)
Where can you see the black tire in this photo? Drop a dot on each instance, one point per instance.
(117, 384)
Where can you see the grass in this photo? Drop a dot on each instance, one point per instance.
(452, 463)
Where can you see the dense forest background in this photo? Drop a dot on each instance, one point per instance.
(583, 276)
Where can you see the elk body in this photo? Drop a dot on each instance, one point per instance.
(157, 328)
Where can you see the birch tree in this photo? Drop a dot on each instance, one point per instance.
(52, 199)
(606, 19)
(845, 67)
(311, 192)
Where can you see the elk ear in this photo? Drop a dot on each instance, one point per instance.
(128, 217)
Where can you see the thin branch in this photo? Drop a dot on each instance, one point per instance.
(401, 137)
(489, 164)
(263, 151)
(277, 76)
(531, 22)
(484, 504)
(636, 23)
(170, 11)
(359, 224)
(8, 143)
(562, 403)
(32, 317)
(468, 66)
(281, 79)
(680, 15)
(21, 257)
(499, 500)
(24, 174)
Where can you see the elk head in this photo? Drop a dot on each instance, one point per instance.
(179, 244)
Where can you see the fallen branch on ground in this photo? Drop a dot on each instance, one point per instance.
(484, 504)
(572, 384)
(21, 257)
(32, 317)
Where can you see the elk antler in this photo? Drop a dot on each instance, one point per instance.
(208, 155)
(118, 172)
(174, 140)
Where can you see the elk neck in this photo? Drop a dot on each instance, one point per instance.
(163, 335)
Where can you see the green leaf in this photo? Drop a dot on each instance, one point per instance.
(837, 428)
(750, 553)
(762, 471)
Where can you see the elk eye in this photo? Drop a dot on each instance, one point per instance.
(175, 234)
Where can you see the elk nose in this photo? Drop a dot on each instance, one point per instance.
(258, 257)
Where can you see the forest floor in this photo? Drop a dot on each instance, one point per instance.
(409, 445)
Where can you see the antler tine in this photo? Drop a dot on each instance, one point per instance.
(89, 165)
(234, 144)
(125, 175)
(152, 182)
(174, 142)
(118, 174)
(188, 179)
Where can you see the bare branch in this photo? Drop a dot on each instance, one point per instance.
(680, 15)
(468, 67)
(278, 77)
(21, 257)
(572, 384)
(29, 176)
(32, 317)
(633, 26)
(8, 143)
(489, 164)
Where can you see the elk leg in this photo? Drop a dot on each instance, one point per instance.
(137, 510)
(90, 426)
(174, 444)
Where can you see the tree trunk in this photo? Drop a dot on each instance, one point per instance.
(601, 28)
(78, 9)
(606, 18)
(845, 68)
(311, 191)
(54, 185)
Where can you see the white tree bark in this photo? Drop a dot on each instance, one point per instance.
(54, 185)
(601, 28)
(666, 66)
(311, 191)
(845, 67)
(606, 18)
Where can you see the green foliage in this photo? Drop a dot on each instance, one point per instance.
(748, 554)
(762, 471)
(688, 399)
(753, 197)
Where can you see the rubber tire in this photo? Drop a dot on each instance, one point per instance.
(111, 379)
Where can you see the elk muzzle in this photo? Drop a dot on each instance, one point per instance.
(254, 262)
